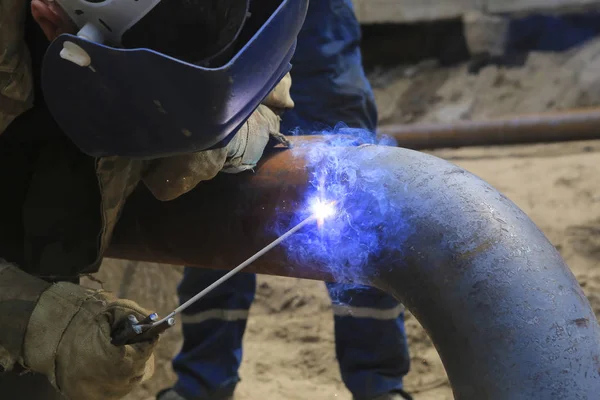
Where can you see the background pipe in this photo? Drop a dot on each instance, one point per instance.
(539, 128)
(505, 313)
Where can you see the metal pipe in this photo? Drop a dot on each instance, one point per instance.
(507, 316)
(538, 128)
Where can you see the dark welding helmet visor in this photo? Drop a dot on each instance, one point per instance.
(141, 103)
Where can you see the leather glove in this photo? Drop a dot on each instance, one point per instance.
(279, 99)
(171, 177)
(68, 340)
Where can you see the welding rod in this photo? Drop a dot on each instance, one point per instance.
(237, 269)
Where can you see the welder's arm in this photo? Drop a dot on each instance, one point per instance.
(16, 81)
(169, 178)
(64, 332)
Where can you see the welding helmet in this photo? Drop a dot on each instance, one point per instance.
(141, 103)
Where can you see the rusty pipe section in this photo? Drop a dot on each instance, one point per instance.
(504, 311)
(562, 126)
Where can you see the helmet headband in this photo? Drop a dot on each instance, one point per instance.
(106, 21)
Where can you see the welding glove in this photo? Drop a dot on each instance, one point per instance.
(169, 178)
(279, 99)
(68, 340)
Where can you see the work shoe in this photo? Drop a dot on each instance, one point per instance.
(395, 395)
(171, 394)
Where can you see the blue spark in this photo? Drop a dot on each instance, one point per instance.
(321, 209)
(365, 219)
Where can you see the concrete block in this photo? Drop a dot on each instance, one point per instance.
(406, 11)
(527, 6)
(485, 33)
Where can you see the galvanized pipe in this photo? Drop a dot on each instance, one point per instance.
(538, 128)
(506, 314)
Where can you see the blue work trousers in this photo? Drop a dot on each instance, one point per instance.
(329, 86)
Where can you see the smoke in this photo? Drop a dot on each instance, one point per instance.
(368, 221)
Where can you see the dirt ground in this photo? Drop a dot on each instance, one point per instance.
(289, 348)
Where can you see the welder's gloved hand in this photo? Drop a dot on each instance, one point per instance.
(279, 99)
(68, 340)
(169, 178)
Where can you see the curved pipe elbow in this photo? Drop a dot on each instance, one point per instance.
(504, 311)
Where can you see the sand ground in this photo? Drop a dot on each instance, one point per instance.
(289, 348)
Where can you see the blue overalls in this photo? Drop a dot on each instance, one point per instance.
(329, 86)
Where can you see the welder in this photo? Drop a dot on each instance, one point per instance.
(329, 87)
(82, 121)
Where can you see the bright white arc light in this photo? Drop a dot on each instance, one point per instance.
(322, 210)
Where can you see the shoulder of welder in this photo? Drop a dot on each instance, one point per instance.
(16, 80)
(118, 177)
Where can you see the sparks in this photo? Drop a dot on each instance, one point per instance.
(322, 210)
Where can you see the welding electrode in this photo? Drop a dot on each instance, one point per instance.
(237, 269)
(131, 331)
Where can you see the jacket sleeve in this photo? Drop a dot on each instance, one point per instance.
(19, 293)
(16, 81)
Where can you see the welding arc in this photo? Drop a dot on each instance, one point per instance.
(237, 269)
